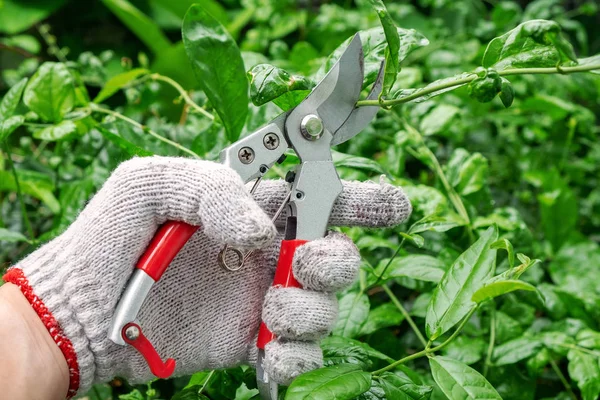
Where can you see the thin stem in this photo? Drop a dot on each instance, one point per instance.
(208, 378)
(490, 350)
(437, 168)
(428, 349)
(459, 82)
(390, 261)
(420, 354)
(563, 379)
(19, 192)
(183, 93)
(572, 124)
(405, 313)
(144, 128)
(579, 348)
(455, 333)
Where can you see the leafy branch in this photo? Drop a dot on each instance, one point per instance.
(432, 89)
(144, 128)
(428, 351)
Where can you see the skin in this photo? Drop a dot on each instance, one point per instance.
(32, 367)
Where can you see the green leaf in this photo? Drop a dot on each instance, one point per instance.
(495, 289)
(416, 266)
(588, 338)
(465, 349)
(574, 268)
(218, 384)
(438, 120)
(436, 223)
(130, 148)
(505, 244)
(180, 7)
(507, 93)
(140, 24)
(594, 60)
(33, 184)
(11, 99)
(356, 162)
(62, 130)
(335, 352)
(398, 386)
(344, 342)
(414, 238)
(458, 381)
(117, 82)
(485, 88)
(559, 209)
(584, 369)
(18, 15)
(218, 66)
(392, 66)
(467, 173)
(451, 299)
(268, 83)
(533, 43)
(11, 236)
(340, 382)
(516, 350)
(50, 92)
(353, 312)
(449, 84)
(384, 316)
(9, 125)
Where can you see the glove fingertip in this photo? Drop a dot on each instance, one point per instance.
(371, 205)
(286, 360)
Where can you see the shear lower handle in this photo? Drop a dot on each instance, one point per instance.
(283, 277)
(167, 242)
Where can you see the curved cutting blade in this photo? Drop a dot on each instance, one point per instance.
(335, 96)
(360, 116)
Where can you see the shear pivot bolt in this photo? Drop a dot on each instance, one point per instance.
(246, 155)
(132, 333)
(311, 127)
(271, 141)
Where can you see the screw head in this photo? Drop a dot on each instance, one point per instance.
(246, 155)
(311, 127)
(132, 332)
(271, 141)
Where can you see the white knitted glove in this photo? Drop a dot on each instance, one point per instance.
(198, 313)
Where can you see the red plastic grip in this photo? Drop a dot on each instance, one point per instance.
(144, 347)
(163, 248)
(284, 276)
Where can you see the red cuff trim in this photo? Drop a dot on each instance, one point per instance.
(16, 276)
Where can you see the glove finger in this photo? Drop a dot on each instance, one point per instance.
(366, 204)
(299, 314)
(285, 360)
(197, 192)
(328, 264)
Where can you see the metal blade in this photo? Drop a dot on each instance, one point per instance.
(335, 96)
(360, 116)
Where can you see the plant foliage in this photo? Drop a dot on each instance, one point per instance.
(488, 121)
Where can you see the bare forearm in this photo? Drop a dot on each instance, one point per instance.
(32, 366)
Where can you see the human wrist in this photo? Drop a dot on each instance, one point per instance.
(31, 360)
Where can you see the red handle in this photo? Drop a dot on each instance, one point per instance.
(143, 345)
(283, 277)
(163, 248)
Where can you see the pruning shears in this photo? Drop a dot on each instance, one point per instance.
(327, 117)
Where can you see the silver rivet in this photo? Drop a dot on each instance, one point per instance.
(246, 155)
(132, 332)
(311, 127)
(271, 141)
